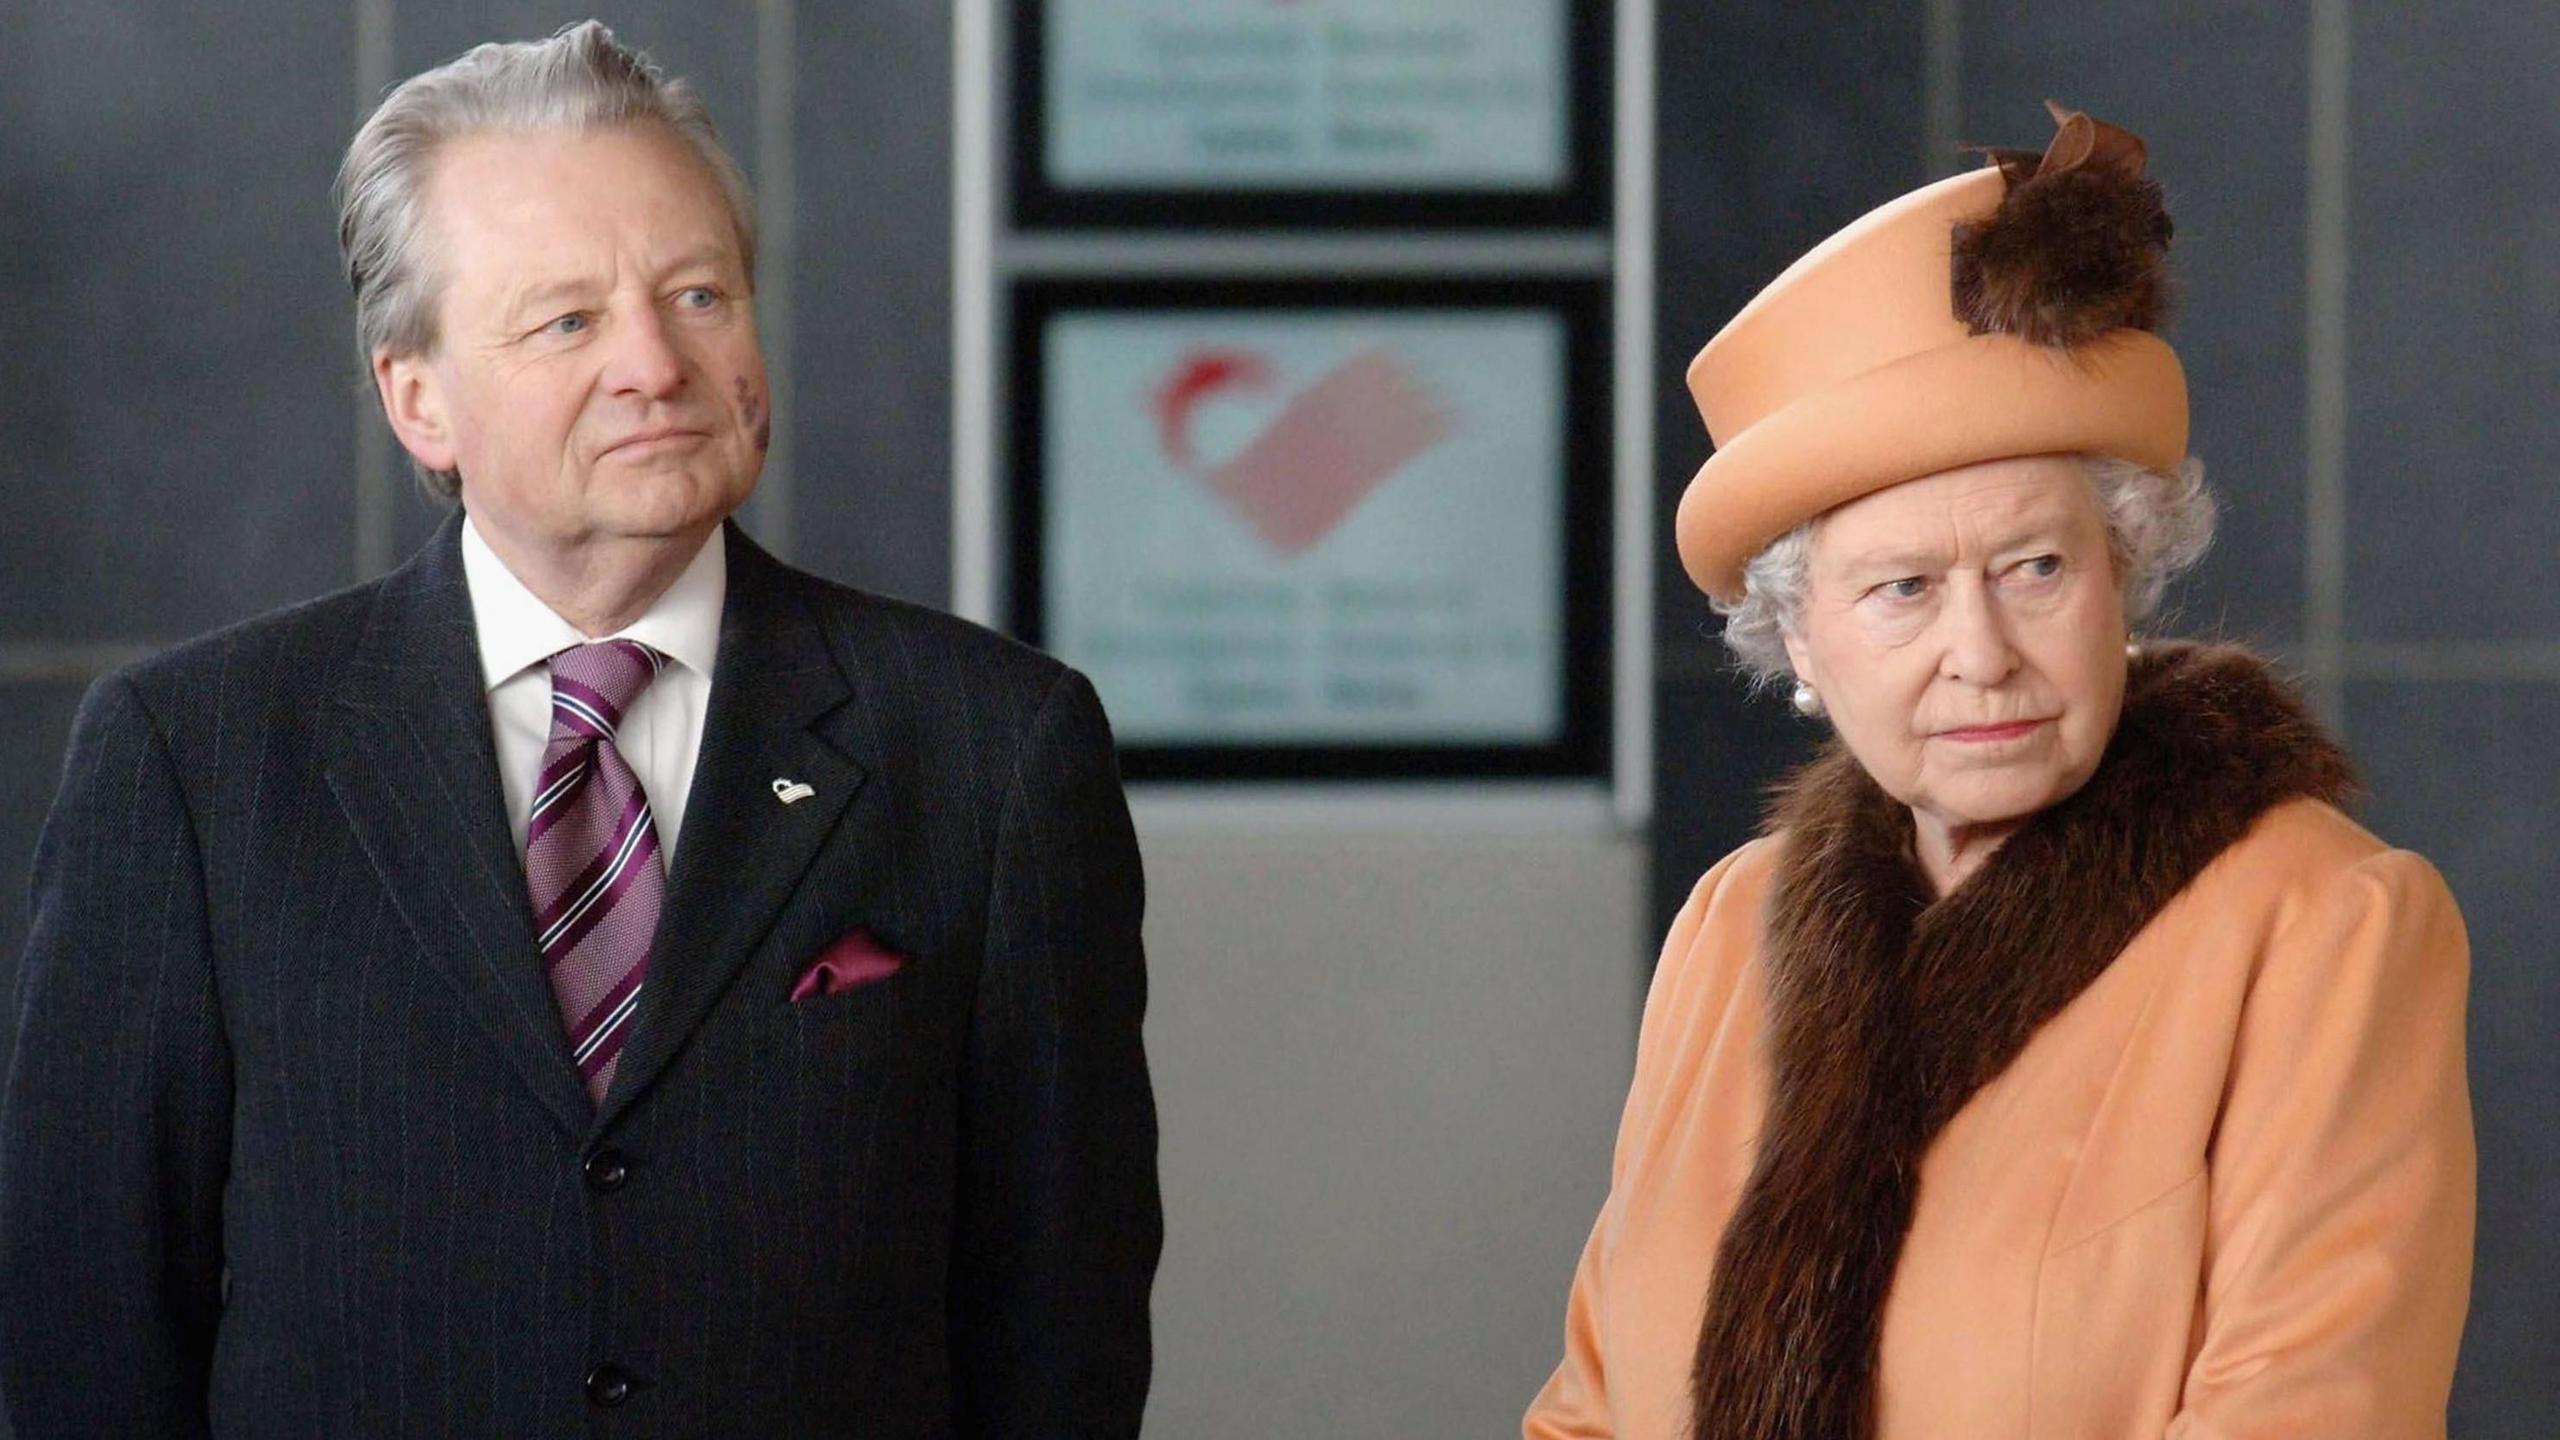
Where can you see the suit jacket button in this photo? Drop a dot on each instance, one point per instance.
(606, 1170)
(608, 1385)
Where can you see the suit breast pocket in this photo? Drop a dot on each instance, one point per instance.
(860, 1112)
(861, 1024)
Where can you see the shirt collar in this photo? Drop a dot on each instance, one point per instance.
(517, 630)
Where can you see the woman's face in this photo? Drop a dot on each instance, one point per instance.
(1966, 634)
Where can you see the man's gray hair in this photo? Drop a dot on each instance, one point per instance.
(579, 79)
(2158, 526)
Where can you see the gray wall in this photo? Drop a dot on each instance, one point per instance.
(1389, 1059)
(181, 443)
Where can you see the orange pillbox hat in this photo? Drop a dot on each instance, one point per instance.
(1999, 313)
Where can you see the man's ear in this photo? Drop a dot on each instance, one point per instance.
(413, 401)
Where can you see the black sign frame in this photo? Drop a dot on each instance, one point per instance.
(1582, 202)
(1582, 751)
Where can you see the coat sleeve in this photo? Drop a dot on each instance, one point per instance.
(2338, 1259)
(1574, 1405)
(1059, 1223)
(116, 1138)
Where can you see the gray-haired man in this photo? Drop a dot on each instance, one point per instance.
(595, 979)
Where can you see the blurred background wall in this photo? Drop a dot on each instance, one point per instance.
(2371, 257)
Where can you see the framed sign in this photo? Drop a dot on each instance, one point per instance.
(1324, 113)
(1301, 529)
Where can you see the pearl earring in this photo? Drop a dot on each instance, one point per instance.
(1807, 703)
(2133, 649)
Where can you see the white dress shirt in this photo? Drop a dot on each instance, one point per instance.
(659, 737)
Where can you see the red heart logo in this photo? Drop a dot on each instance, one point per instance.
(1328, 449)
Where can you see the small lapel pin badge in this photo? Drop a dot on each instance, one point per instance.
(790, 791)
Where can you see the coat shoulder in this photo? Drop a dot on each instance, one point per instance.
(285, 657)
(2298, 847)
(1739, 883)
(879, 632)
(2305, 875)
(1718, 933)
(948, 692)
(1734, 891)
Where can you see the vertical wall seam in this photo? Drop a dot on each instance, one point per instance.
(375, 492)
(777, 206)
(1631, 288)
(973, 283)
(1941, 86)
(2325, 260)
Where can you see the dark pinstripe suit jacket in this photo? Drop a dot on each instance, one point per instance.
(294, 1147)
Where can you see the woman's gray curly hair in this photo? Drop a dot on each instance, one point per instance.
(2159, 524)
(579, 79)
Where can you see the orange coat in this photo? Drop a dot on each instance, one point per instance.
(2226, 1191)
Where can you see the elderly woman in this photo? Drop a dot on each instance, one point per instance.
(2061, 1062)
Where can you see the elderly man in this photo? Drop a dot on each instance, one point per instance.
(594, 980)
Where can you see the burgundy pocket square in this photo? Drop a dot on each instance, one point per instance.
(855, 960)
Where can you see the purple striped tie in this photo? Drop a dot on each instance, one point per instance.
(591, 853)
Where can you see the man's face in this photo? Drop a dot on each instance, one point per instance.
(596, 375)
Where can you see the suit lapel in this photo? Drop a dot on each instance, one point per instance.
(743, 850)
(411, 761)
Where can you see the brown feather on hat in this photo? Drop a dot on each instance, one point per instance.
(2078, 247)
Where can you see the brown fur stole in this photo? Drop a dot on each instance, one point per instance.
(1889, 1009)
